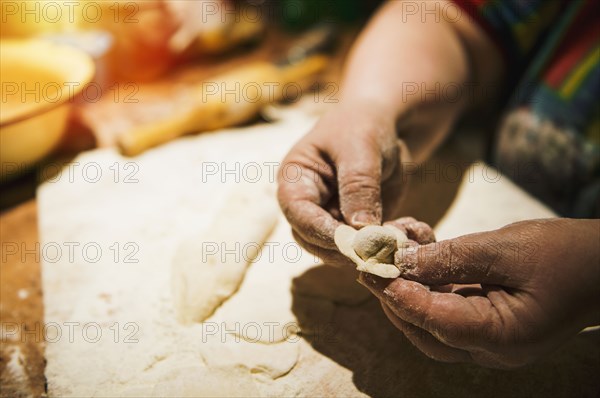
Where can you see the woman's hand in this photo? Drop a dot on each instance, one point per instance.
(501, 298)
(347, 169)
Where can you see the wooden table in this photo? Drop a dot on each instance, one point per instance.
(21, 310)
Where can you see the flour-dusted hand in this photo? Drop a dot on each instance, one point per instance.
(336, 174)
(499, 299)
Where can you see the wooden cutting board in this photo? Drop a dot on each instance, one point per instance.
(21, 311)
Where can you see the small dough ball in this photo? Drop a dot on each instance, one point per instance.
(401, 238)
(375, 243)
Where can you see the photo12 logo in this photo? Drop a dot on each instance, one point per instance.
(265, 332)
(65, 13)
(54, 92)
(70, 332)
(89, 252)
(267, 92)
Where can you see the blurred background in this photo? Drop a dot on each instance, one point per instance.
(83, 74)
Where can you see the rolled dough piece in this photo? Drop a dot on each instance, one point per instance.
(209, 268)
(371, 248)
(266, 360)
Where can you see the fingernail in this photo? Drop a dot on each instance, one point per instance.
(367, 280)
(361, 279)
(363, 218)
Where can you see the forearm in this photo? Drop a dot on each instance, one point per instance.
(402, 63)
(396, 50)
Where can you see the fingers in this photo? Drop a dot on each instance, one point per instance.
(454, 320)
(425, 342)
(327, 256)
(439, 351)
(312, 223)
(415, 230)
(303, 191)
(359, 167)
(327, 178)
(464, 260)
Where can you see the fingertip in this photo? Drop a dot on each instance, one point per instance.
(312, 223)
(396, 224)
(361, 279)
(369, 280)
(363, 218)
(421, 232)
(406, 258)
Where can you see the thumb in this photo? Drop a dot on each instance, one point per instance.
(476, 258)
(359, 185)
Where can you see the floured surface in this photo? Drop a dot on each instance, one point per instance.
(113, 326)
(293, 328)
(208, 268)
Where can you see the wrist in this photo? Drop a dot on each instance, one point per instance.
(361, 116)
(371, 107)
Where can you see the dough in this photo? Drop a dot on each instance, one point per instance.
(269, 361)
(209, 268)
(371, 248)
(261, 309)
(375, 244)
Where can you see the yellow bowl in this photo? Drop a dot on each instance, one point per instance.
(38, 81)
(35, 17)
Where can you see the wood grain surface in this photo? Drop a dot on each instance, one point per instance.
(21, 308)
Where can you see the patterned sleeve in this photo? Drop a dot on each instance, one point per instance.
(548, 141)
(515, 26)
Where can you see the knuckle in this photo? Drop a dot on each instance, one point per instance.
(405, 220)
(407, 257)
(357, 180)
(420, 232)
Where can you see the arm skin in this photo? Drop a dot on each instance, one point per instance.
(401, 50)
(500, 299)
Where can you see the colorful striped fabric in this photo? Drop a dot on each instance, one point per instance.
(549, 141)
